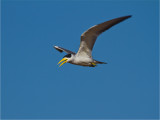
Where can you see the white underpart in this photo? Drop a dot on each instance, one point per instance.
(80, 60)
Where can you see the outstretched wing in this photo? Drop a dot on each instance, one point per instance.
(60, 49)
(89, 37)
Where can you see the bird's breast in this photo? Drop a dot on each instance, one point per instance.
(84, 61)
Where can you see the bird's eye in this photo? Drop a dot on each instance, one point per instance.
(67, 56)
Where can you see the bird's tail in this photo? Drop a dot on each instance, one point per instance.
(98, 62)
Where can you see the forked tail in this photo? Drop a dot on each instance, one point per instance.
(98, 62)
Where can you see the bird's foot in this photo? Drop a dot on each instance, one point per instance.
(92, 64)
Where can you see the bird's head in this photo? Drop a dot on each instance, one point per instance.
(65, 59)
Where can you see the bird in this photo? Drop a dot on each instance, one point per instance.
(84, 55)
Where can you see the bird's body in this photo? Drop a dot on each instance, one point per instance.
(84, 55)
(81, 60)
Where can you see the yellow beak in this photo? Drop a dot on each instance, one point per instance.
(64, 60)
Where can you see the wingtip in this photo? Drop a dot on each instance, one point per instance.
(55, 46)
(128, 16)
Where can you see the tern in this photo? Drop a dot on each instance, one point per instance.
(84, 55)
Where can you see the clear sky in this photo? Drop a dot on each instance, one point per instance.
(33, 86)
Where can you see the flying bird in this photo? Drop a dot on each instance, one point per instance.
(84, 55)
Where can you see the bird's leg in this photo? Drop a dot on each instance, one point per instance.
(92, 64)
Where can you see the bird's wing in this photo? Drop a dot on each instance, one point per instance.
(60, 49)
(89, 37)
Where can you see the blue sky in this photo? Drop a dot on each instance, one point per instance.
(33, 86)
